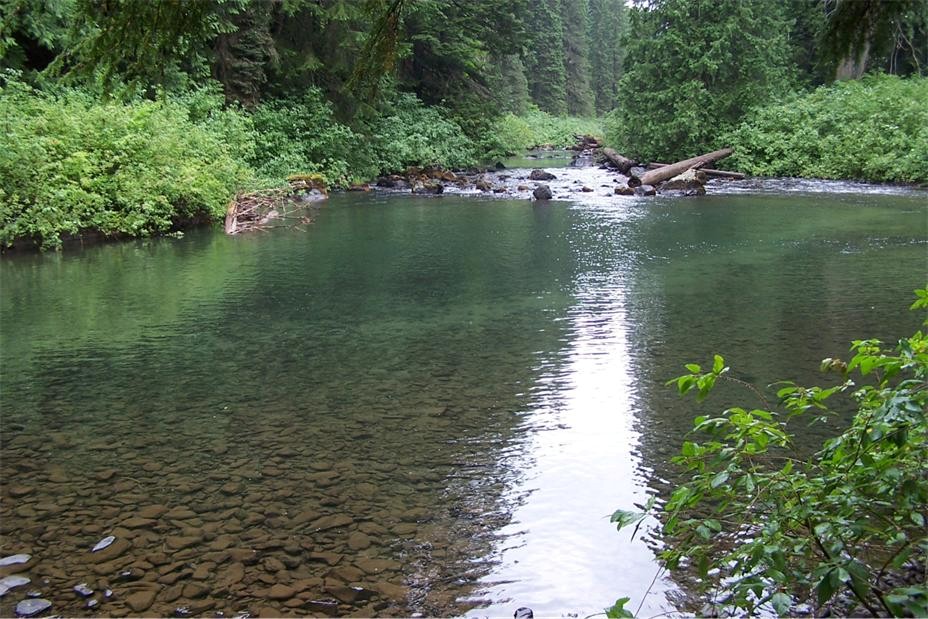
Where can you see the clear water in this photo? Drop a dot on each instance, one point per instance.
(473, 385)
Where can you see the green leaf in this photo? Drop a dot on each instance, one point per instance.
(781, 603)
(618, 610)
(719, 479)
(692, 367)
(718, 364)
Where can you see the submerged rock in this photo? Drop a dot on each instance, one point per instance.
(103, 543)
(10, 582)
(83, 590)
(30, 608)
(15, 559)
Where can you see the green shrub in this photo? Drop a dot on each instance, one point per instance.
(875, 129)
(301, 136)
(71, 163)
(513, 134)
(406, 132)
(766, 524)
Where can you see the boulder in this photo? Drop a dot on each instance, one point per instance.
(541, 175)
(690, 183)
(542, 192)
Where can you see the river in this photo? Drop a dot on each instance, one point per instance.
(416, 404)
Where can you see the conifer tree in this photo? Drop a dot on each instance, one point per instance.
(544, 58)
(607, 22)
(577, 57)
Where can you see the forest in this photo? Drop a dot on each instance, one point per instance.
(129, 117)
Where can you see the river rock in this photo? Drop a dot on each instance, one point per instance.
(391, 591)
(172, 593)
(331, 522)
(19, 491)
(542, 192)
(83, 590)
(690, 183)
(179, 542)
(111, 551)
(483, 185)
(541, 175)
(624, 190)
(231, 575)
(140, 601)
(152, 511)
(274, 565)
(432, 187)
(326, 607)
(281, 592)
(138, 523)
(9, 582)
(349, 595)
(359, 541)
(106, 474)
(103, 543)
(180, 513)
(30, 608)
(15, 560)
(376, 566)
(194, 590)
(645, 190)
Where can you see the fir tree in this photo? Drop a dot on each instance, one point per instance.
(577, 57)
(544, 58)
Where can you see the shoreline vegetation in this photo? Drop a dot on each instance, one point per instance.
(79, 166)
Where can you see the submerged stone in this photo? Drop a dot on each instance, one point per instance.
(10, 582)
(103, 543)
(83, 590)
(15, 559)
(29, 608)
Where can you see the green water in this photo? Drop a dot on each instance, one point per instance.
(472, 384)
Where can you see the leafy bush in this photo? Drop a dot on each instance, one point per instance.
(406, 132)
(768, 527)
(71, 163)
(300, 136)
(872, 129)
(513, 134)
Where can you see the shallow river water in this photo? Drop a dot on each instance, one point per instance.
(416, 404)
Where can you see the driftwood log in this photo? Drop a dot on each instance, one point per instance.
(709, 172)
(653, 177)
(623, 164)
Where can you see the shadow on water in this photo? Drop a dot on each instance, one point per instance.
(416, 405)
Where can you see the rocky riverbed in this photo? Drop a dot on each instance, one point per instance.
(123, 526)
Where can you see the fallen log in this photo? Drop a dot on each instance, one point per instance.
(623, 164)
(738, 176)
(653, 177)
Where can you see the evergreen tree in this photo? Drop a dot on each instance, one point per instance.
(509, 85)
(241, 56)
(693, 68)
(607, 22)
(544, 57)
(577, 57)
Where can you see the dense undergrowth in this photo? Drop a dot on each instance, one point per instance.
(73, 162)
(874, 129)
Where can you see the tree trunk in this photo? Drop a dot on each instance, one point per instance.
(710, 173)
(623, 164)
(653, 177)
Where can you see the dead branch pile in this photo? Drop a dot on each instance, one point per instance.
(260, 210)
